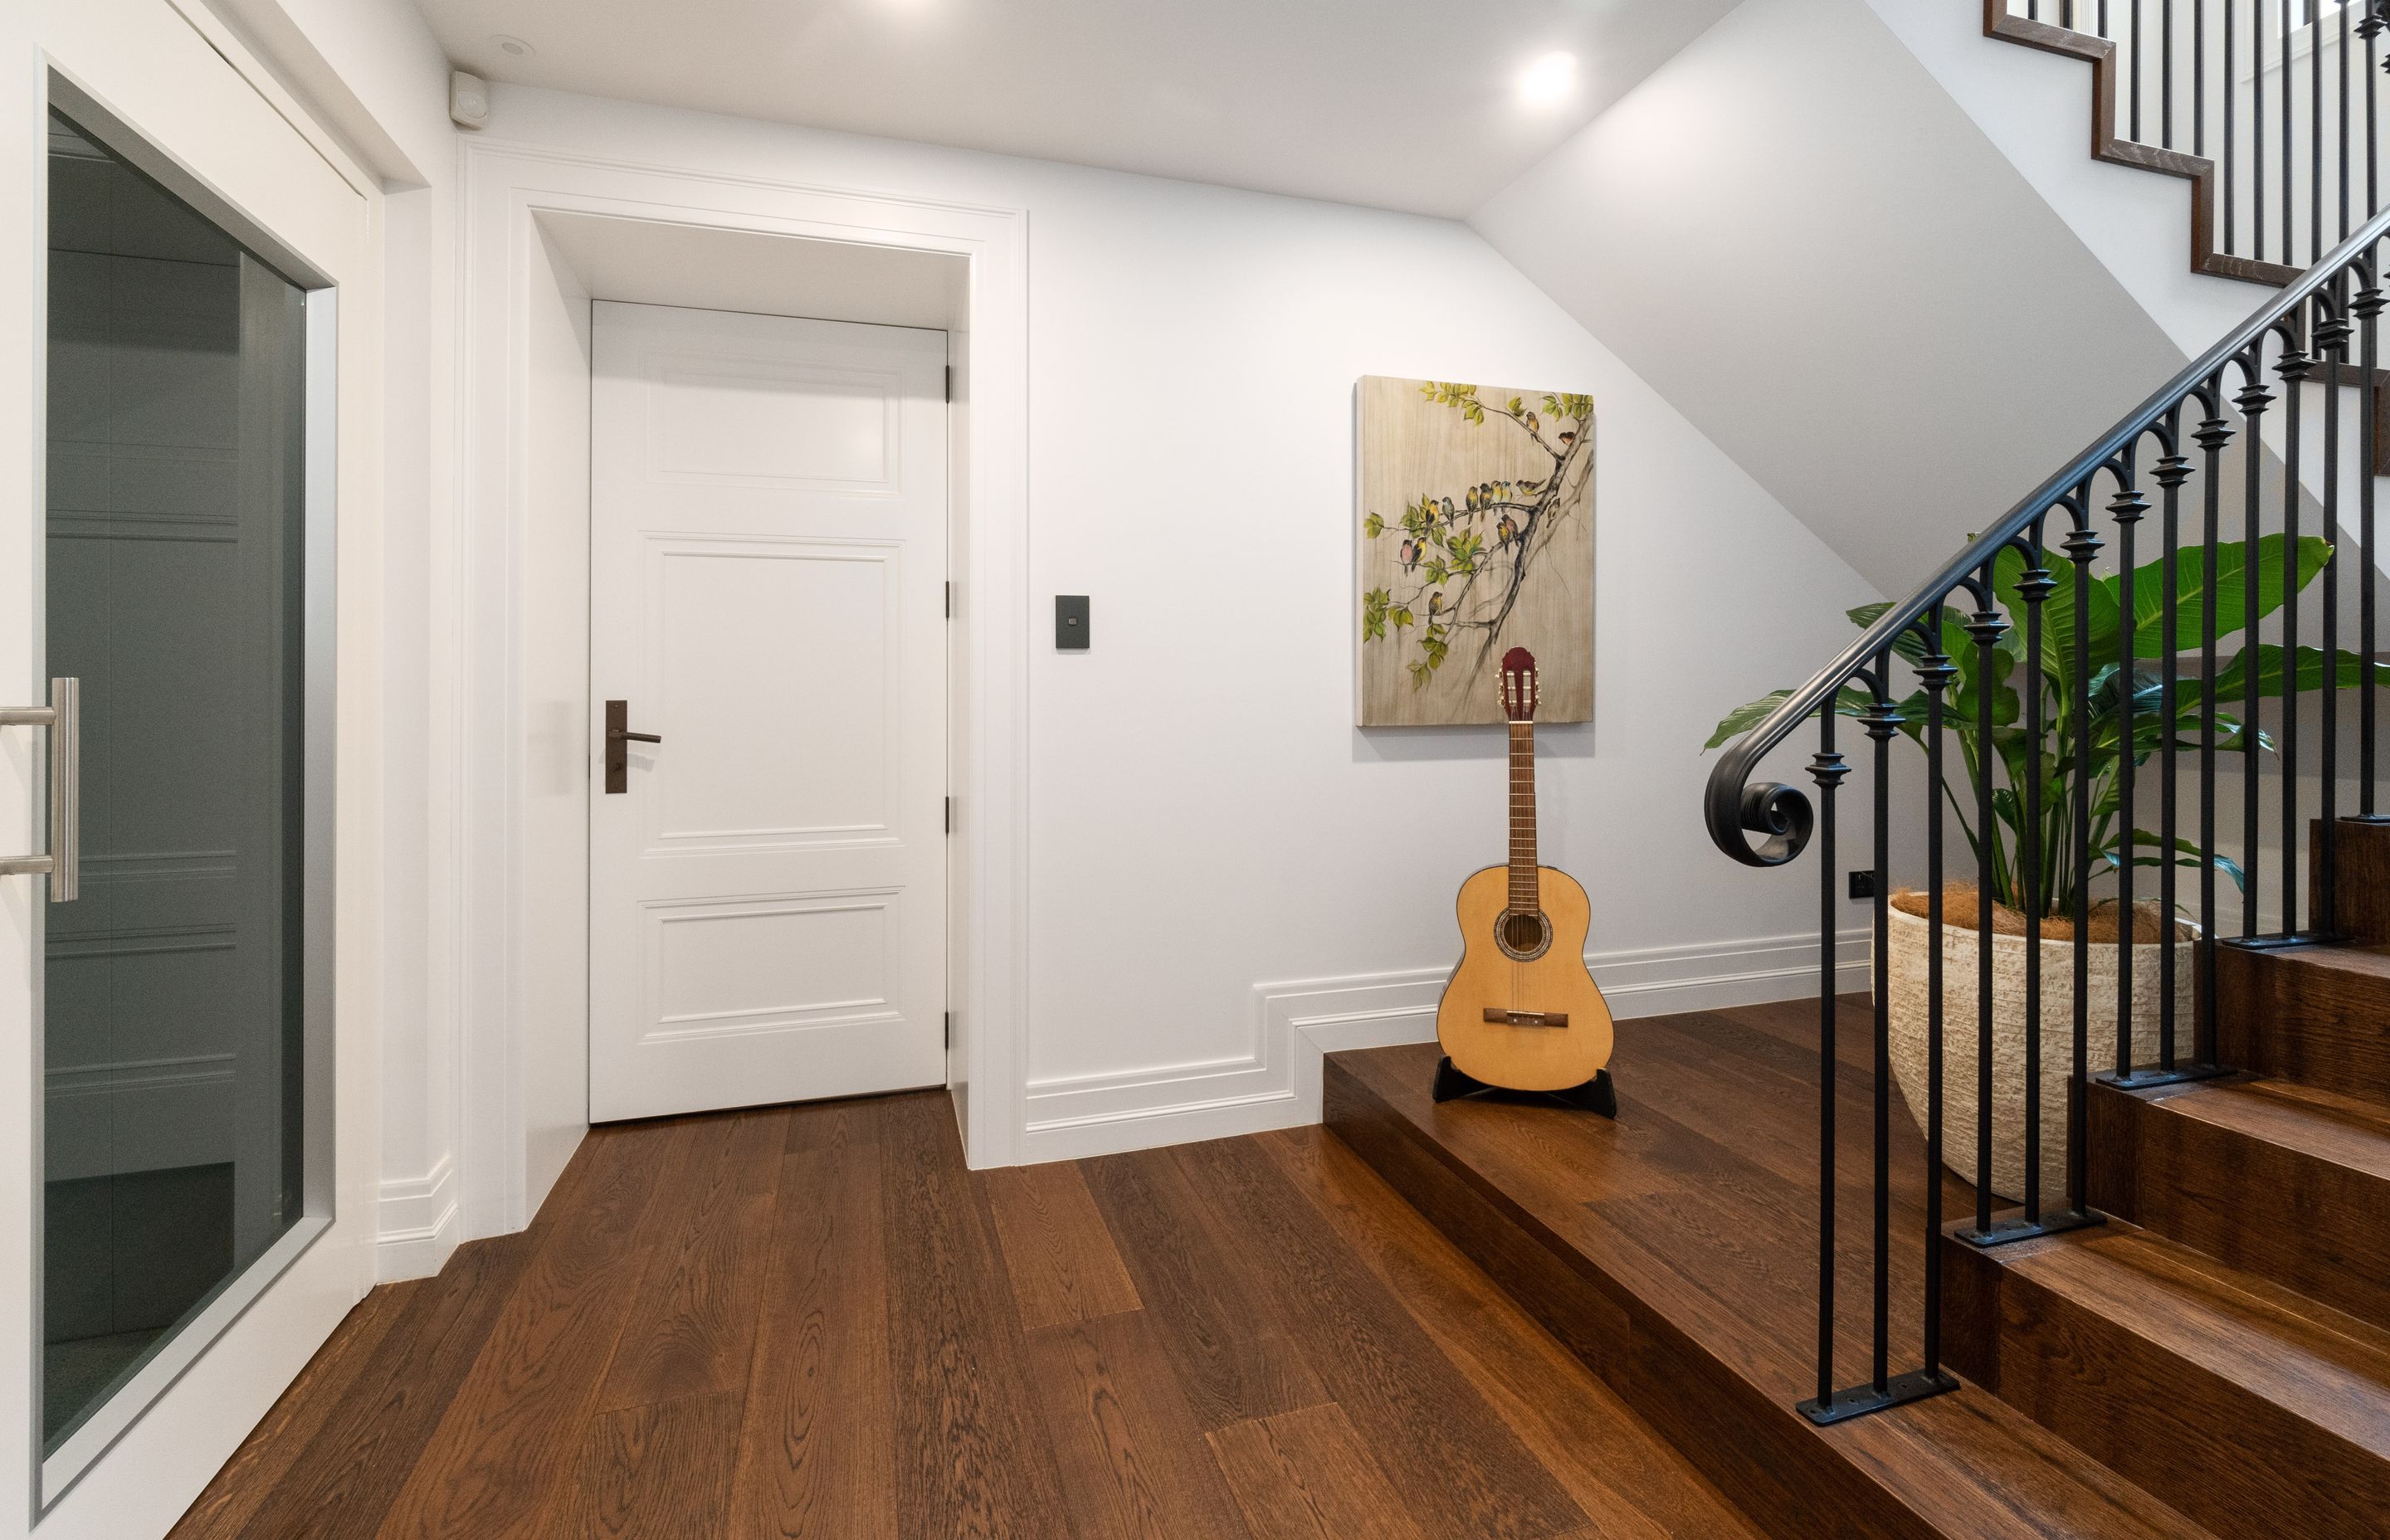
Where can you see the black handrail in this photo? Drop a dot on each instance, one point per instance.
(1734, 806)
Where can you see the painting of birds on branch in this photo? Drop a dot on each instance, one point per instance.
(1476, 535)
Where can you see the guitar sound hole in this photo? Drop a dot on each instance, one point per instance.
(1522, 935)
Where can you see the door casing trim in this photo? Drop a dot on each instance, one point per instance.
(479, 567)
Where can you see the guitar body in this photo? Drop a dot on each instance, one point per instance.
(1546, 979)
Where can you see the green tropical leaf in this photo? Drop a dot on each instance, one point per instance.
(2230, 590)
(1850, 702)
(2184, 853)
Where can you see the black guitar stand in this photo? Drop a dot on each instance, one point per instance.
(1597, 1095)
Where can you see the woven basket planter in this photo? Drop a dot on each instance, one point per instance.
(1909, 952)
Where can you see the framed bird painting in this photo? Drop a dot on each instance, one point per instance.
(1476, 536)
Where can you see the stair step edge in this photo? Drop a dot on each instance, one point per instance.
(2315, 1362)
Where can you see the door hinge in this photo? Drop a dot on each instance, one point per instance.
(950, 814)
(950, 1029)
(950, 384)
(950, 598)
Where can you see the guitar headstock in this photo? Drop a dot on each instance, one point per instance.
(1520, 690)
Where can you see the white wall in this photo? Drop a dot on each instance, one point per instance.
(1203, 820)
(1794, 233)
(2035, 108)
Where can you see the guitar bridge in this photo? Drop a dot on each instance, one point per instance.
(1527, 1018)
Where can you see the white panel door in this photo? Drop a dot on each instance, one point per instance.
(767, 568)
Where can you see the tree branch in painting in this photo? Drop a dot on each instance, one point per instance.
(1464, 561)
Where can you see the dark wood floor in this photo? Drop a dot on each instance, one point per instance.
(813, 1321)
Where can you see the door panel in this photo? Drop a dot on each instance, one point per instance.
(767, 917)
(782, 755)
(169, 1252)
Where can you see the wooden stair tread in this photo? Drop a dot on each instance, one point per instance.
(2319, 1364)
(2372, 962)
(1675, 1250)
(2330, 1126)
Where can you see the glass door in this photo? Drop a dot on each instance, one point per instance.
(174, 952)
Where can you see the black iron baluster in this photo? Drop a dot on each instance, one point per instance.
(2215, 433)
(2370, 27)
(1987, 628)
(2082, 547)
(2165, 74)
(2169, 474)
(2199, 77)
(2251, 401)
(2366, 307)
(2033, 586)
(2315, 139)
(2332, 341)
(1828, 770)
(2134, 59)
(1881, 722)
(2290, 147)
(2341, 86)
(2125, 508)
(1934, 672)
(2258, 133)
(2294, 368)
(2231, 157)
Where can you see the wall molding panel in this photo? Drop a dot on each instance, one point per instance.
(1296, 1024)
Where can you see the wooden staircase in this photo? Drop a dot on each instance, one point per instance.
(2213, 1360)
(2224, 1341)
(2110, 143)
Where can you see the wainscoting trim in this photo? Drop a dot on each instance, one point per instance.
(1275, 1083)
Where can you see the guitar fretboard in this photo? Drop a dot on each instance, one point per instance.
(1523, 818)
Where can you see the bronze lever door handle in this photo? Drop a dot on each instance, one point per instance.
(618, 739)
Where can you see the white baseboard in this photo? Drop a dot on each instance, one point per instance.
(1277, 1083)
(420, 1222)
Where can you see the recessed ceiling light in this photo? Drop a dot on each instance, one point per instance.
(1548, 79)
(513, 46)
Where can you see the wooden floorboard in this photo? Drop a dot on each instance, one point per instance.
(814, 1322)
(268, 1463)
(817, 1445)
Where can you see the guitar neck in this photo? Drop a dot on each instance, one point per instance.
(1524, 895)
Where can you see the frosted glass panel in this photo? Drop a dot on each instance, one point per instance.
(172, 987)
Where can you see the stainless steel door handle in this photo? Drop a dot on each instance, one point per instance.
(63, 717)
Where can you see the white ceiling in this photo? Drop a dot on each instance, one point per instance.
(1400, 104)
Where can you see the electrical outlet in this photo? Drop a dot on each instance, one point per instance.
(1862, 885)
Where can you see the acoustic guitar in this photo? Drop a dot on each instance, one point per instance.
(1522, 1011)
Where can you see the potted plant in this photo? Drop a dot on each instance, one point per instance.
(2032, 861)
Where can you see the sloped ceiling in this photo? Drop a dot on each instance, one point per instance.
(1795, 235)
(1398, 104)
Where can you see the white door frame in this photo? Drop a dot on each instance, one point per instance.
(480, 737)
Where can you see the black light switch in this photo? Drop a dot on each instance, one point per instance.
(1070, 622)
